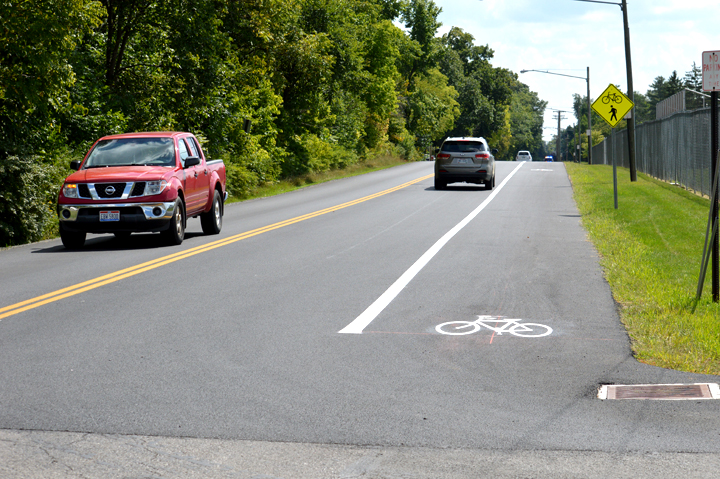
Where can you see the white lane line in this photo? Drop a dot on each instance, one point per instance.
(367, 317)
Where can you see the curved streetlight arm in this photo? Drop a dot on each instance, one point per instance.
(598, 1)
(552, 73)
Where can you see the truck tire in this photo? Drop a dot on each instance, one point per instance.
(175, 234)
(72, 239)
(211, 221)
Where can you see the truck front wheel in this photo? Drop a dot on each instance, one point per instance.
(175, 234)
(72, 239)
(211, 221)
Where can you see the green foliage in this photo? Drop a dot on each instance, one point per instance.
(431, 108)
(36, 39)
(526, 122)
(484, 92)
(27, 199)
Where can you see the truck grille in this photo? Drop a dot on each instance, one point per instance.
(109, 190)
(138, 189)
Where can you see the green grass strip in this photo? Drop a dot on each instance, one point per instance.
(651, 249)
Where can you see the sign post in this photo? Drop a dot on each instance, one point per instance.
(711, 83)
(612, 106)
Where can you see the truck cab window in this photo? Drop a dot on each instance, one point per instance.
(193, 147)
(183, 151)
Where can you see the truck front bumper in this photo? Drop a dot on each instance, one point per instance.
(133, 217)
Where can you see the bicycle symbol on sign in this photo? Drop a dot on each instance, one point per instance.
(512, 326)
(612, 96)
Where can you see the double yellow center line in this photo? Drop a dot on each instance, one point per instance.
(156, 263)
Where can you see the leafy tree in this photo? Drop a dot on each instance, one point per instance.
(421, 18)
(432, 108)
(36, 39)
(484, 91)
(526, 121)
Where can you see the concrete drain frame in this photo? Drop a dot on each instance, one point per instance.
(661, 392)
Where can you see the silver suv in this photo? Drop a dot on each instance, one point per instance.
(466, 159)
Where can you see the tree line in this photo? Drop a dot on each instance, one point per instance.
(322, 84)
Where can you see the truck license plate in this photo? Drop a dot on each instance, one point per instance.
(113, 215)
(463, 161)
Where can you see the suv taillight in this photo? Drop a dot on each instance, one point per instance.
(482, 156)
(443, 156)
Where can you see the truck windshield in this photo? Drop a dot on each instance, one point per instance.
(463, 146)
(132, 151)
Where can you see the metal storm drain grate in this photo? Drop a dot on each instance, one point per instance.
(673, 392)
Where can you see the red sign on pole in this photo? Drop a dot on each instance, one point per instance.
(711, 71)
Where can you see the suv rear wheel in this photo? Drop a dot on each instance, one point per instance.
(489, 185)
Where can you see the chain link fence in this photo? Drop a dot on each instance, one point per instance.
(675, 149)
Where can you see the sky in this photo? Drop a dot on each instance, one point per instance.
(567, 36)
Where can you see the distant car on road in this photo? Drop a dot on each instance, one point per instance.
(548, 158)
(466, 159)
(523, 155)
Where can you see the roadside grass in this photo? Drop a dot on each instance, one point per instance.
(283, 186)
(650, 250)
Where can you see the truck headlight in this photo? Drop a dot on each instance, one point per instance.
(155, 187)
(70, 190)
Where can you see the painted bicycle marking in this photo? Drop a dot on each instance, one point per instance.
(512, 326)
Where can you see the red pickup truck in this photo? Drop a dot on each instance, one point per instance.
(142, 182)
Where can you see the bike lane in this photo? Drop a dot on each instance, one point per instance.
(526, 259)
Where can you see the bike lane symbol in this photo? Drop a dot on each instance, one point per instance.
(512, 326)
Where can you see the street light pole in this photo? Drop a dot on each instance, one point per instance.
(587, 79)
(589, 132)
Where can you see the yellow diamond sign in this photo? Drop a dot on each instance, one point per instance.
(612, 105)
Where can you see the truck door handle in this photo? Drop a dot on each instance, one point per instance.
(196, 174)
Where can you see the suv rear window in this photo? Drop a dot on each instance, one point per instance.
(463, 146)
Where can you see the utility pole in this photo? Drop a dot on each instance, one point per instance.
(631, 94)
(557, 146)
(557, 141)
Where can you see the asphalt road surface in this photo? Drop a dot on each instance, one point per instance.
(304, 342)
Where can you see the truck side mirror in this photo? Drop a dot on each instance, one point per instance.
(75, 165)
(191, 161)
(494, 151)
